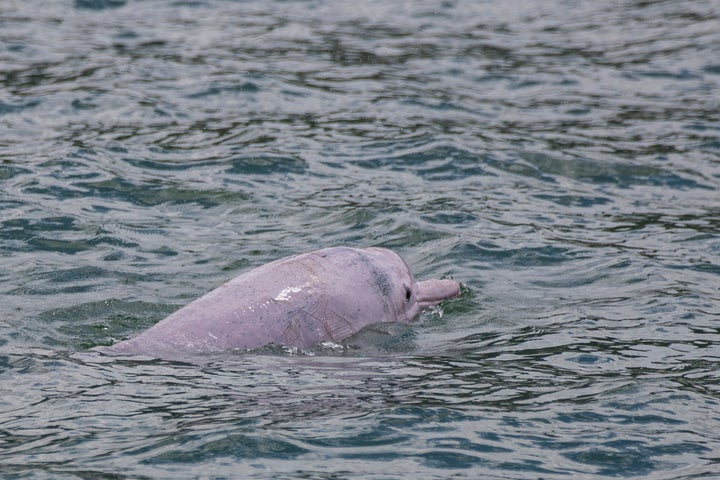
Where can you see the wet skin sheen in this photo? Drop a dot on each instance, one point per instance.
(300, 301)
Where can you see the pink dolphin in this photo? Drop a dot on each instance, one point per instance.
(301, 301)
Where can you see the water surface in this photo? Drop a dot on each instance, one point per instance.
(561, 159)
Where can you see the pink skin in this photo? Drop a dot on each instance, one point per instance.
(301, 301)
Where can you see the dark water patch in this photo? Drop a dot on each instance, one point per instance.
(712, 69)
(168, 164)
(10, 171)
(679, 75)
(99, 4)
(525, 256)
(705, 222)
(460, 443)
(618, 270)
(407, 234)
(601, 172)
(360, 439)
(101, 322)
(711, 145)
(518, 168)
(55, 245)
(46, 234)
(441, 163)
(154, 194)
(7, 108)
(197, 449)
(706, 268)
(450, 217)
(73, 280)
(266, 165)
(79, 105)
(57, 191)
(575, 201)
(24, 228)
(247, 87)
(450, 460)
(628, 457)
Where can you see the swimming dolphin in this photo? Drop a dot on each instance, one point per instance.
(300, 301)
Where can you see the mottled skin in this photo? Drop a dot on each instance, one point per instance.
(300, 301)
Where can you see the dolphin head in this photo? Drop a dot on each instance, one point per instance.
(405, 296)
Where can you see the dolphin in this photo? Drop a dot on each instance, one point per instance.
(297, 301)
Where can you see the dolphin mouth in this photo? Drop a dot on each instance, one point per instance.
(432, 292)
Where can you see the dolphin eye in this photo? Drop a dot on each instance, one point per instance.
(408, 293)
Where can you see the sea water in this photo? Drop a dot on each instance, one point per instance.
(561, 159)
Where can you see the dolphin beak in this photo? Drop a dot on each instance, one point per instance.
(432, 292)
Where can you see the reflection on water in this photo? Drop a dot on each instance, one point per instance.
(561, 160)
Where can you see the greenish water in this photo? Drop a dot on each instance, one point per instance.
(560, 159)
